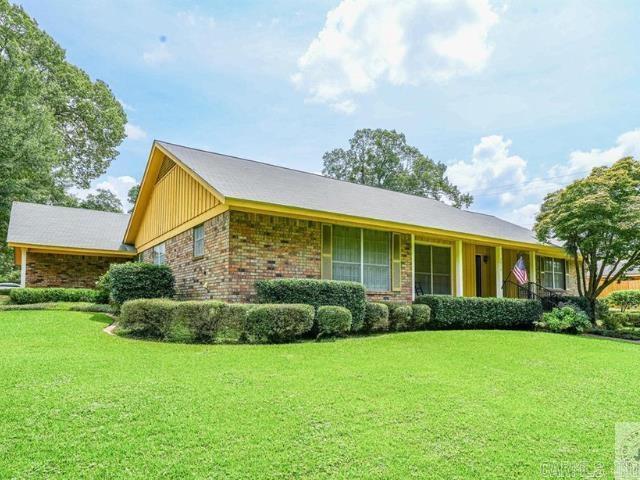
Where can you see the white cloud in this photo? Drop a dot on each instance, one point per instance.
(366, 42)
(126, 106)
(501, 184)
(134, 132)
(581, 162)
(491, 164)
(118, 185)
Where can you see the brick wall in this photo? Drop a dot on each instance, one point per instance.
(265, 246)
(68, 271)
(205, 277)
(571, 278)
(241, 248)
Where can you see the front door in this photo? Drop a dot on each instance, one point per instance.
(479, 271)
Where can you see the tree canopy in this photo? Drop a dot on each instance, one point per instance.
(132, 195)
(598, 221)
(58, 128)
(104, 200)
(382, 158)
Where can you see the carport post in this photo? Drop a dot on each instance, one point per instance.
(23, 267)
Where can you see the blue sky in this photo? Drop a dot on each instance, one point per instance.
(517, 98)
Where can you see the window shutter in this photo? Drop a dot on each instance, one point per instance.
(396, 281)
(326, 265)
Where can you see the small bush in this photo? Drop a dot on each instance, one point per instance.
(333, 321)
(421, 316)
(130, 281)
(624, 299)
(614, 320)
(22, 296)
(602, 306)
(376, 317)
(277, 323)
(92, 307)
(475, 312)
(149, 318)
(350, 295)
(569, 319)
(230, 320)
(193, 321)
(399, 316)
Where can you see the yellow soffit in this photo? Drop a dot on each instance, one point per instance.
(154, 162)
(35, 248)
(306, 214)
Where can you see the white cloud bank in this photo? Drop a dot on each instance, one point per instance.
(366, 42)
(501, 184)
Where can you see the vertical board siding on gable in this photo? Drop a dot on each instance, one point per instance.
(176, 199)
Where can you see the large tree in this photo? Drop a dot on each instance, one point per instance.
(104, 200)
(132, 196)
(598, 221)
(382, 158)
(58, 128)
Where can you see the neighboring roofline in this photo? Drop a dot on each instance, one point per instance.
(40, 248)
(144, 194)
(308, 214)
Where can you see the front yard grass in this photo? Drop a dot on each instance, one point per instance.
(76, 402)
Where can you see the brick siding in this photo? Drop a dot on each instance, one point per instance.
(68, 271)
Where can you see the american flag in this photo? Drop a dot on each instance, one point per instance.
(520, 271)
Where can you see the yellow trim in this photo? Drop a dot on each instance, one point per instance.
(214, 212)
(147, 185)
(35, 248)
(361, 222)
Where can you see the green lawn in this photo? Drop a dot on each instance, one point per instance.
(75, 402)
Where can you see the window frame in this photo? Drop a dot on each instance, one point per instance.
(328, 257)
(553, 272)
(196, 240)
(159, 251)
(431, 246)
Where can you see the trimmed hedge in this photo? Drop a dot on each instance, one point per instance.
(399, 316)
(151, 318)
(333, 321)
(477, 312)
(133, 280)
(23, 296)
(194, 321)
(376, 317)
(278, 323)
(421, 316)
(230, 320)
(317, 293)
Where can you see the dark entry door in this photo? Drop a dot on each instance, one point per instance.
(478, 275)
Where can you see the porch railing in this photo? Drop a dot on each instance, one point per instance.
(534, 291)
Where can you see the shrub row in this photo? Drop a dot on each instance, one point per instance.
(470, 312)
(214, 321)
(317, 293)
(23, 296)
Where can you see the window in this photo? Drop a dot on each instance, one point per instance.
(433, 269)
(552, 272)
(159, 254)
(346, 253)
(376, 260)
(358, 255)
(198, 241)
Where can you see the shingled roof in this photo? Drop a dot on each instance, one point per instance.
(46, 225)
(243, 179)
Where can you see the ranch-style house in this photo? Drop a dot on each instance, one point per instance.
(222, 222)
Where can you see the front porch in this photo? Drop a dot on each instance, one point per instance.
(457, 267)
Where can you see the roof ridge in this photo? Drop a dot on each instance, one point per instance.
(69, 208)
(338, 180)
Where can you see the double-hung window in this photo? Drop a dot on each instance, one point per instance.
(433, 269)
(198, 241)
(159, 254)
(552, 273)
(359, 255)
